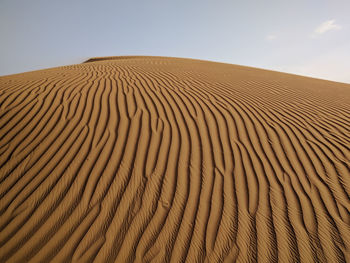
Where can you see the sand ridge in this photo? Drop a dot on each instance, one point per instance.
(151, 159)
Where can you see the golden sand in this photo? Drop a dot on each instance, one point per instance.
(151, 159)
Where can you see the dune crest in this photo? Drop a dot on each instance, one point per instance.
(151, 159)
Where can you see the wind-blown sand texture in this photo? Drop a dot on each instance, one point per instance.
(152, 159)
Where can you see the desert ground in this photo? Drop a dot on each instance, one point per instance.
(155, 159)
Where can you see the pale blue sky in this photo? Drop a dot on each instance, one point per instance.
(303, 37)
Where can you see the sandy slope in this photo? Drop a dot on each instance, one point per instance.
(160, 159)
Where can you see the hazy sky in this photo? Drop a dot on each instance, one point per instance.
(304, 37)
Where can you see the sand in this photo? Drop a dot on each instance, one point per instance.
(151, 159)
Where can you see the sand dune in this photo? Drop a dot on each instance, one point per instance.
(150, 159)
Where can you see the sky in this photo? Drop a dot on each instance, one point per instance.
(310, 38)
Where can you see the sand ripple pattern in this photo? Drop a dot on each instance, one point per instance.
(147, 159)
